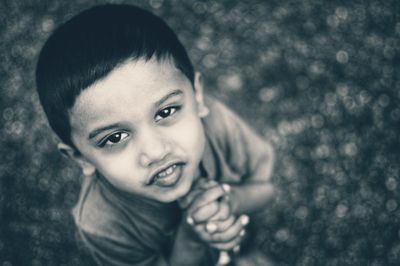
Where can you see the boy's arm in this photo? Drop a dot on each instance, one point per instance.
(249, 155)
(186, 250)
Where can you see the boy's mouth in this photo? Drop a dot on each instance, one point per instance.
(167, 176)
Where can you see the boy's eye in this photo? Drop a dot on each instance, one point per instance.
(113, 139)
(166, 112)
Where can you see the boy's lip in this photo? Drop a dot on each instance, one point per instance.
(154, 174)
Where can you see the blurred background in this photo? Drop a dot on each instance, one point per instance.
(319, 79)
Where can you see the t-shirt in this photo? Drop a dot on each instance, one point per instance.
(121, 229)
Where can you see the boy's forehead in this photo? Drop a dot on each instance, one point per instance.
(137, 76)
(141, 71)
(131, 86)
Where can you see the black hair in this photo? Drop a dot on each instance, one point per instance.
(93, 43)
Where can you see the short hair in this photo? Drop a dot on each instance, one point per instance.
(88, 47)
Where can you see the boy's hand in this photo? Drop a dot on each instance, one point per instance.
(223, 235)
(210, 215)
(198, 187)
(210, 201)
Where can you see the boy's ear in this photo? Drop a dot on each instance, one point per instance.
(88, 169)
(198, 87)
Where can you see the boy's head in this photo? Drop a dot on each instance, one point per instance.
(120, 91)
(89, 46)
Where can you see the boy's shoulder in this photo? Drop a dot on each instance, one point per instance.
(103, 214)
(222, 125)
(95, 215)
(107, 227)
(238, 150)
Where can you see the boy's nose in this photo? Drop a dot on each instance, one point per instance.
(154, 150)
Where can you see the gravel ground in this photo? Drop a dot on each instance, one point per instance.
(319, 79)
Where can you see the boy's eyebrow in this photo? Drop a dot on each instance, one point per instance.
(97, 131)
(166, 97)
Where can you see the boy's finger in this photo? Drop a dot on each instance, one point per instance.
(202, 233)
(228, 245)
(211, 227)
(210, 195)
(232, 232)
(224, 225)
(219, 226)
(205, 212)
(223, 212)
(199, 187)
(185, 201)
(207, 183)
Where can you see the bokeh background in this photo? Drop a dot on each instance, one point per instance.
(319, 79)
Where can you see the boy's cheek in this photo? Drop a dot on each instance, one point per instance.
(190, 133)
(116, 167)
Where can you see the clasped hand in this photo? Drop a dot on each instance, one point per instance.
(208, 212)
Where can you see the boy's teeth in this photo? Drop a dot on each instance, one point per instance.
(168, 171)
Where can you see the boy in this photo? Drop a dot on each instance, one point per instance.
(121, 93)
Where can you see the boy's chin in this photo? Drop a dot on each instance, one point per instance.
(180, 192)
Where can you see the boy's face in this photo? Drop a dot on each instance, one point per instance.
(140, 128)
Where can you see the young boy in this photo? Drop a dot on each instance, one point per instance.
(119, 90)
